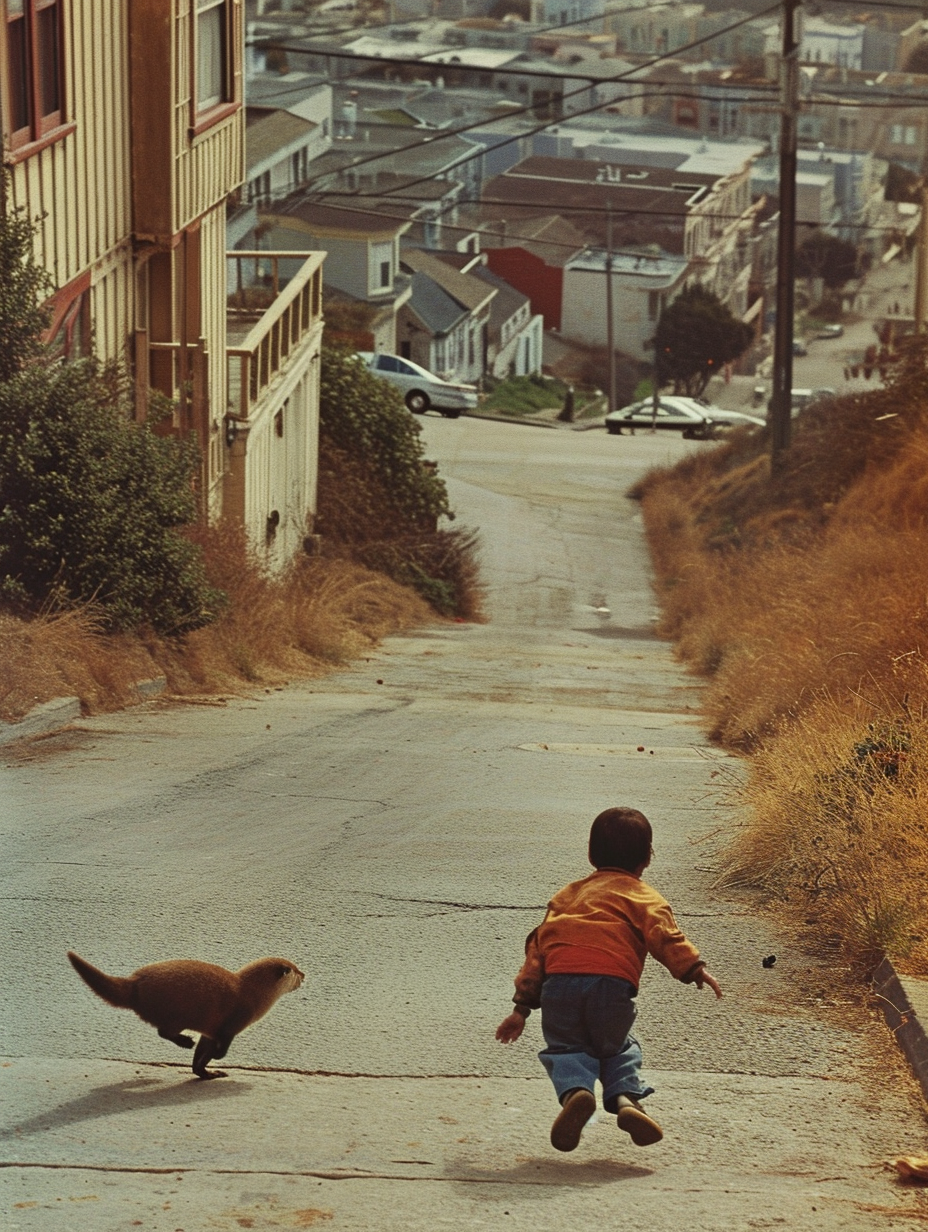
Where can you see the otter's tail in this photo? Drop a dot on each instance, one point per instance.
(114, 989)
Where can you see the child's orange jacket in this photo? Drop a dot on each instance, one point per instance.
(606, 924)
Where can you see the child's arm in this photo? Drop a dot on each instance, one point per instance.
(528, 992)
(702, 977)
(511, 1027)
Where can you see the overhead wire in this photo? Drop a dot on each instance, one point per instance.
(438, 135)
(623, 76)
(340, 200)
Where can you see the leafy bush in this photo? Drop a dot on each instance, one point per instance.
(90, 503)
(23, 287)
(366, 419)
(520, 395)
(379, 499)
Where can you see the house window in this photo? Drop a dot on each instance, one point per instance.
(299, 165)
(36, 75)
(385, 273)
(212, 54)
(259, 189)
(68, 333)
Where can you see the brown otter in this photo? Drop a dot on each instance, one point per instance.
(199, 996)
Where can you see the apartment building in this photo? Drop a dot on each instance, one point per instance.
(686, 201)
(123, 133)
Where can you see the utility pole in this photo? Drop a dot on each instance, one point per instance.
(921, 266)
(782, 395)
(610, 317)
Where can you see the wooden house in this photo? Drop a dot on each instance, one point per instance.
(123, 135)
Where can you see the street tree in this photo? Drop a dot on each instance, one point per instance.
(826, 256)
(696, 336)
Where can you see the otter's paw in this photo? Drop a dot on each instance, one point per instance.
(182, 1041)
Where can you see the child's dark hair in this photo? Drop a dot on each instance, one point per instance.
(620, 838)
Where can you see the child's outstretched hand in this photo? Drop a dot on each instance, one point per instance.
(703, 977)
(510, 1028)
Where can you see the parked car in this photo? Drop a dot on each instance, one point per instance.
(801, 398)
(830, 331)
(799, 347)
(420, 388)
(694, 418)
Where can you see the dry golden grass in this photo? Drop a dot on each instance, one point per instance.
(839, 827)
(803, 599)
(320, 614)
(67, 655)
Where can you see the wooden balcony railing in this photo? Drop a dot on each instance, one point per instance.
(269, 314)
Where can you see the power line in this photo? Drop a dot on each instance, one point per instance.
(882, 4)
(392, 25)
(337, 201)
(438, 135)
(466, 128)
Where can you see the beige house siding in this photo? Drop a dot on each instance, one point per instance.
(207, 166)
(113, 303)
(213, 328)
(130, 202)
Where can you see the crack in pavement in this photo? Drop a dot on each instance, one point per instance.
(325, 1174)
(444, 902)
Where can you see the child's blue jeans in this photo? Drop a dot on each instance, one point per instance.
(586, 1021)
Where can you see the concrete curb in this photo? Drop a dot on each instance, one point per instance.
(60, 712)
(49, 717)
(513, 419)
(896, 996)
(529, 421)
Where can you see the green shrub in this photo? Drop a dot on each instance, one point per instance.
(90, 504)
(364, 417)
(89, 501)
(520, 395)
(379, 500)
(23, 287)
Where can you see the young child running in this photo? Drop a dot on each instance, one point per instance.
(582, 968)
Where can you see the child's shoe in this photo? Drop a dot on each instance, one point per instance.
(579, 1105)
(636, 1122)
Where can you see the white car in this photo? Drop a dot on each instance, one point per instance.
(420, 388)
(691, 416)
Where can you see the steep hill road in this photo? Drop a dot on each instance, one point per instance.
(396, 829)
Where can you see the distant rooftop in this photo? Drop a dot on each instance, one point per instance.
(658, 269)
(269, 131)
(690, 154)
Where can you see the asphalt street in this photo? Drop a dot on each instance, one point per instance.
(395, 830)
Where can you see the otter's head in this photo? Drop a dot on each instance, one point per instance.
(288, 974)
(281, 974)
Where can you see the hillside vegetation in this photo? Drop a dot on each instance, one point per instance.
(106, 579)
(803, 599)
